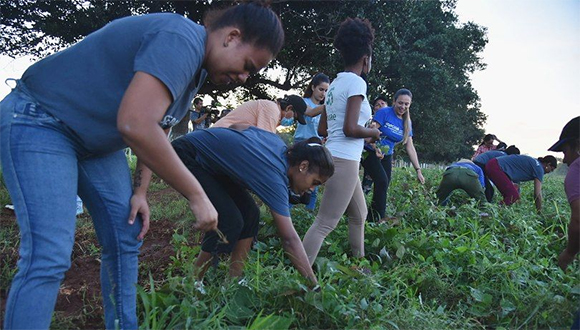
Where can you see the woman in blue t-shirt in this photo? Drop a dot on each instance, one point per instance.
(230, 162)
(507, 171)
(314, 97)
(65, 125)
(395, 126)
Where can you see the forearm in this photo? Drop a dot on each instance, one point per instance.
(357, 131)
(141, 178)
(155, 152)
(412, 154)
(538, 201)
(295, 251)
(573, 246)
(312, 112)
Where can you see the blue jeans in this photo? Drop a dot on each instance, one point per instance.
(44, 166)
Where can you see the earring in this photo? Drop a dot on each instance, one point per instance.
(225, 44)
(300, 170)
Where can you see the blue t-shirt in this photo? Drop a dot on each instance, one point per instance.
(472, 167)
(521, 167)
(392, 128)
(195, 116)
(83, 85)
(487, 156)
(309, 130)
(254, 158)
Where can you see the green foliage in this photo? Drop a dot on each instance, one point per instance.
(418, 45)
(437, 267)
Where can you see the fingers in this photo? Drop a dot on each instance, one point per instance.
(133, 214)
(145, 228)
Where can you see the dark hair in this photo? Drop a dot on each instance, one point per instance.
(318, 157)
(402, 91)
(197, 99)
(257, 22)
(501, 146)
(354, 39)
(550, 160)
(380, 97)
(487, 137)
(318, 79)
(512, 150)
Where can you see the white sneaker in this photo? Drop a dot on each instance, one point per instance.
(9, 206)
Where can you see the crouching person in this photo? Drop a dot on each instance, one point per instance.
(230, 161)
(465, 175)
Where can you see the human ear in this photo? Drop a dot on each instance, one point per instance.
(304, 165)
(233, 35)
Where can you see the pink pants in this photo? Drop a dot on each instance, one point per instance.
(504, 184)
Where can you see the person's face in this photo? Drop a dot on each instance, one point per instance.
(402, 105)
(548, 168)
(379, 105)
(571, 153)
(286, 113)
(302, 180)
(319, 92)
(234, 61)
(198, 106)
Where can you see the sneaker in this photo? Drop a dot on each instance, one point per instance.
(9, 206)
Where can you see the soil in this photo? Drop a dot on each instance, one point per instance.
(79, 304)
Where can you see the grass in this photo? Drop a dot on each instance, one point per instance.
(439, 267)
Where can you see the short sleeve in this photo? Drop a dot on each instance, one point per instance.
(572, 182)
(171, 58)
(381, 116)
(268, 116)
(357, 87)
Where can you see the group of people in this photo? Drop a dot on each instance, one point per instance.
(58, 139)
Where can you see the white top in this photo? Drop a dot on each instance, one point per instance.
(345, 85)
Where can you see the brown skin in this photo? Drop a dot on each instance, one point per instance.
(538, 187)
(227, 59)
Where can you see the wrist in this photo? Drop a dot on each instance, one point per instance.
(417, 169)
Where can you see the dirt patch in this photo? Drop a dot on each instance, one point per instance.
(79, 303)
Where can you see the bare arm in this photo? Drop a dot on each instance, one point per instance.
(351, 128)
(410, 147)
(323, 125)
(573, 247)
(293, 246)
(144, 104)
(312, 112)
(538, 194)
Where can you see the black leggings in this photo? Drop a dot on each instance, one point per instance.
(380, 171)
(238, 214)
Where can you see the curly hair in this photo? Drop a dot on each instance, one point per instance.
(354, 39)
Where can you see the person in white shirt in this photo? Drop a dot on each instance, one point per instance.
(347, 110)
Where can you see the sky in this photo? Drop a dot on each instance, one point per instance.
(531, 86)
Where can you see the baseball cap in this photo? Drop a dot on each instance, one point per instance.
(571, 131)
(298, 106)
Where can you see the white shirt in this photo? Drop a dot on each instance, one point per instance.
(345, 85)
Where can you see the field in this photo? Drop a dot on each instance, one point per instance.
(455, 267)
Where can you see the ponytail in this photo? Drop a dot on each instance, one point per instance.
(318, 157)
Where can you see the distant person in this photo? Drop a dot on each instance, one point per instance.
(343, 120)
(396, 127)
(569, 144)
(504, 171)
(464, 175)
(265, 114)
(485, 157)
(198, 115)
(64, 128)
(313, 96)
(379, 103)
(486, 145)
(228, 162)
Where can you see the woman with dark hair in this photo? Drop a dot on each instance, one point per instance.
(379, 103)
(228, 162)
(65, 125)
(486, 145)
(347, 110)
(395, 126)
(506, 170)
(313, 96)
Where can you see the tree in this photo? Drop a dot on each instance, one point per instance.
(419, 45)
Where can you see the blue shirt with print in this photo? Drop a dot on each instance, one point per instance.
(309, 130)
(83, 85)
(254, 158)
(392, 128)
(521, 167)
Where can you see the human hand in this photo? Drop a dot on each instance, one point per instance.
(205, 214)
(139, 206)
(420, 176)
(375, 134)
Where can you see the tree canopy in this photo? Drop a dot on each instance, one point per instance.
(419, 45)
